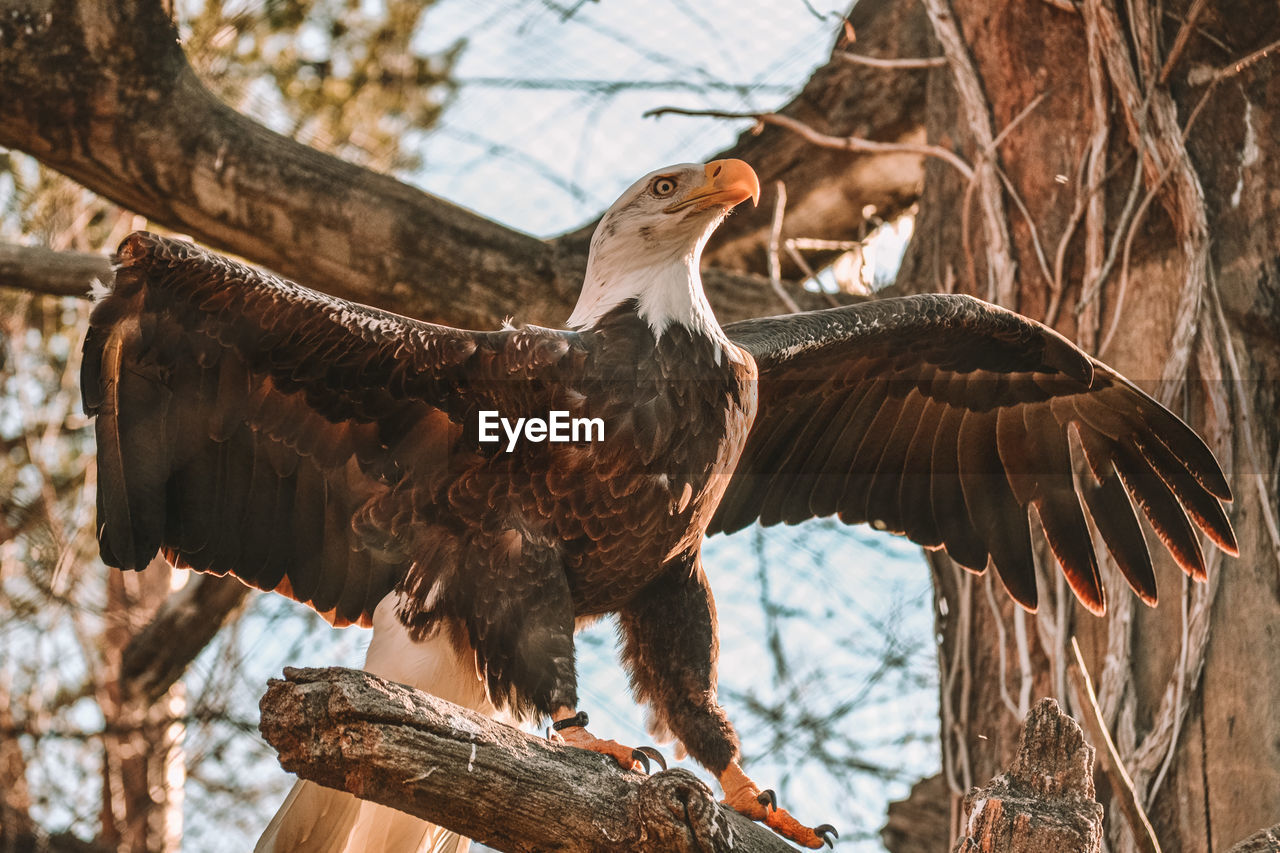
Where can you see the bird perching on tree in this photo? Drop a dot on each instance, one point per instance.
(343, 456)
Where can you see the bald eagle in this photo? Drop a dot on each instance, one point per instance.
(344, 456)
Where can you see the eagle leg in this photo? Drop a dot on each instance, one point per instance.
(745, 797)
(669, 644)
(570, 728)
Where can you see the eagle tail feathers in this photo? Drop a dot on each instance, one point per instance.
(315, 819)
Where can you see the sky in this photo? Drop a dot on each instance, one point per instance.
(547, 126)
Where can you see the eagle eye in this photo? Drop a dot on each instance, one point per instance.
(663, 186)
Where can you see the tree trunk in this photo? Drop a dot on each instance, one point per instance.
(143, 761)
(1168, 272)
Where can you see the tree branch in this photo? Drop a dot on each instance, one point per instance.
(388, 743)
(41, 270)
(840, 143)
(186, 622)
(104, 94)
(890, 64)
(829, 190)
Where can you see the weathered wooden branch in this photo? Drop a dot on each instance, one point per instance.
(1046, 799)
(388, 743)
(41, 270)
(135, 125)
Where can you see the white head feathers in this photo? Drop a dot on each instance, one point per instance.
(649, 244)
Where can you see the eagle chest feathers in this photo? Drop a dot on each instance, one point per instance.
(676, 410)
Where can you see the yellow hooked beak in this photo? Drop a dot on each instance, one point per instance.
(728, 184)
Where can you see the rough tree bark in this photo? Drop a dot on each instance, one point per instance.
(1263, 841)
(1163, 262)
(514, 792)
(1044, 801)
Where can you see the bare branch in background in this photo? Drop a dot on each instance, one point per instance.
(840, 143)
(889, 64)
(775, 239)
(41, 270)
(158, 655)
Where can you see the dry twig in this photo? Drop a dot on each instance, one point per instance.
(878, 62)
(840, 143)
(1143, 835)
(775, 237)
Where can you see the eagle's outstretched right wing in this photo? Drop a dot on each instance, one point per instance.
(947, 419)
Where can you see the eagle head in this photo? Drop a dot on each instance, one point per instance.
(648, 244)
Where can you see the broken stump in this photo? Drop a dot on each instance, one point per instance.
(1046, 799)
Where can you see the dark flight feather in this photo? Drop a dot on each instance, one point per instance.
(948, 419)
(240, 419)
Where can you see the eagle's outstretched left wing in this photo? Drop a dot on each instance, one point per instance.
(303, 443)
(946, 419)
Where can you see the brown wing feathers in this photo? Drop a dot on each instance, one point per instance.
(949, 420)
(248, 426)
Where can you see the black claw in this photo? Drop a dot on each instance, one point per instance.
(655, 755)
(637, 755)
(823, 831)
(768, 799)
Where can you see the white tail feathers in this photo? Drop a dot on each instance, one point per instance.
(315, 819)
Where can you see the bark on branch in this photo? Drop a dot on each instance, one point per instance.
(1262, 841)
(50, 272)
(388, 743)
